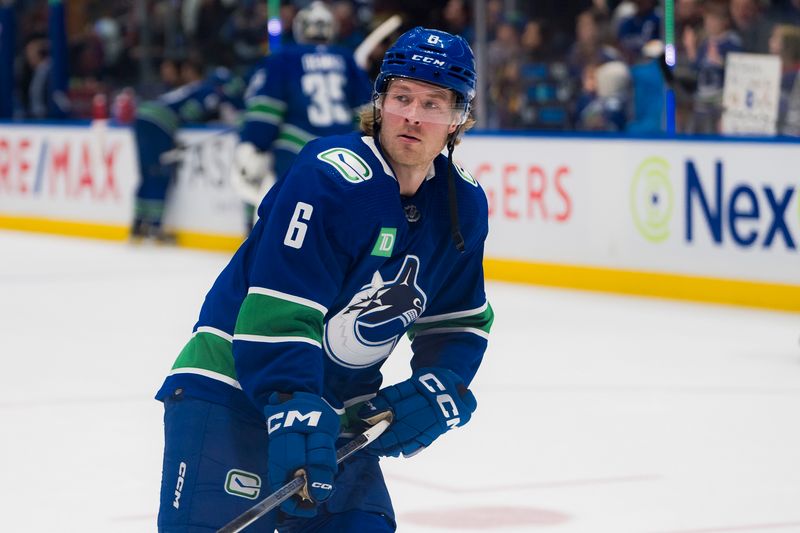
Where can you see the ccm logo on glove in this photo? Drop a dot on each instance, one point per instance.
(274, 422)
(445, 401)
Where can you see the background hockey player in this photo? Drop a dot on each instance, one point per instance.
(366, 239)
(200, 99)
(302, 92)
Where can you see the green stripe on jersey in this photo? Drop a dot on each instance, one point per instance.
(481, 320)
(261, 108)
(209, 352)
(162, 115)
(269, 316)
(279, 106)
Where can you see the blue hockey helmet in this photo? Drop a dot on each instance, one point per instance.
(432, 56)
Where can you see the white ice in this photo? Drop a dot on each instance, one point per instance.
(596, 413)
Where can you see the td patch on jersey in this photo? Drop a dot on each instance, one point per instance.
(367, 329)
(349, 164)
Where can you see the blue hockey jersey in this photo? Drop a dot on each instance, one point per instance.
(301, 93)
(337, 269)
(196, 102)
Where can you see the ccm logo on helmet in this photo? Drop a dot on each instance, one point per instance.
(274, 422)
(429, 60)
(445, 401)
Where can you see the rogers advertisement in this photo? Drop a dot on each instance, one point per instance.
(724, 209)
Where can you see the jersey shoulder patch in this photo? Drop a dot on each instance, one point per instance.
(465, 175)
(348, 164)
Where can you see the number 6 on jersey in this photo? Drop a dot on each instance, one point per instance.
(297, 227)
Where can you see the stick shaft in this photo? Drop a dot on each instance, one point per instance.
(372, 40)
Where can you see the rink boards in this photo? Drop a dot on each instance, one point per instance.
(711, 220)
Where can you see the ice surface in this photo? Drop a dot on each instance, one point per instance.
(596, 413)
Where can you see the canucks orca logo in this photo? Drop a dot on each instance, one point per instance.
(367, 329)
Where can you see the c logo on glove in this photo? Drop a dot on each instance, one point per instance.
(444, 400)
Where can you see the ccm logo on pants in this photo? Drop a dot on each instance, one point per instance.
(176, 503)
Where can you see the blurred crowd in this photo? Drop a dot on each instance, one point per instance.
(609, 73)
(595, 65)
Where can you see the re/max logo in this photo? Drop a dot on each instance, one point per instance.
(739, 213)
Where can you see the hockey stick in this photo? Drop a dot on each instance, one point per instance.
(361, 55)
(298, 483)
(173, 156)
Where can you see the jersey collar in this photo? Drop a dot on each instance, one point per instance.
(370, 142)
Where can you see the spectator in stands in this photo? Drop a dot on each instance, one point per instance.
(708, 58)
(688, 18)
(494, 17)
(37, 97)
(87, 56)
(608, 109)
(648, 84)
(246, 32)
(457, 19)
(348, 34)
(109, 32)
(785, 43)
(506, 44)
(426, 13)
(751, 24)
(503, 59)
(535, 41)
(636, 30)
(545, 82)
(687, 13)
(169, 74)
(591, 42)
(786, 12)
(621, 12)
(586, 94)
(203, 22)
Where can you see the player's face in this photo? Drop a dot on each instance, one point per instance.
(416, 118)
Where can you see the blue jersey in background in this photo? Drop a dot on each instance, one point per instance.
(301, 93)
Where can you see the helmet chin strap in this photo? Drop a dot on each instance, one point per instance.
(455, 228)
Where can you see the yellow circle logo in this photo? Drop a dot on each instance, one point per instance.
(652, 199)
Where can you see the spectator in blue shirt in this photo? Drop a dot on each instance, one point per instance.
(785, 43)
(590, 46)
(608, 110)
(708, 58)
(639, 29)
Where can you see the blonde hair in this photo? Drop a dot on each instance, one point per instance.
(790, 42)
(368, 116)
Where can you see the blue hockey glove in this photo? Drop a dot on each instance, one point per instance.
(302, 436)
(431, 402)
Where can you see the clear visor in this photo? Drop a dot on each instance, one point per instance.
(434, 107)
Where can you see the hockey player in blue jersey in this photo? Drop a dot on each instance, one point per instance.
(199, 100)
(367, 238)
(303, 91)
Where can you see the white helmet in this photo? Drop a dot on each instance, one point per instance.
(314, 24)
